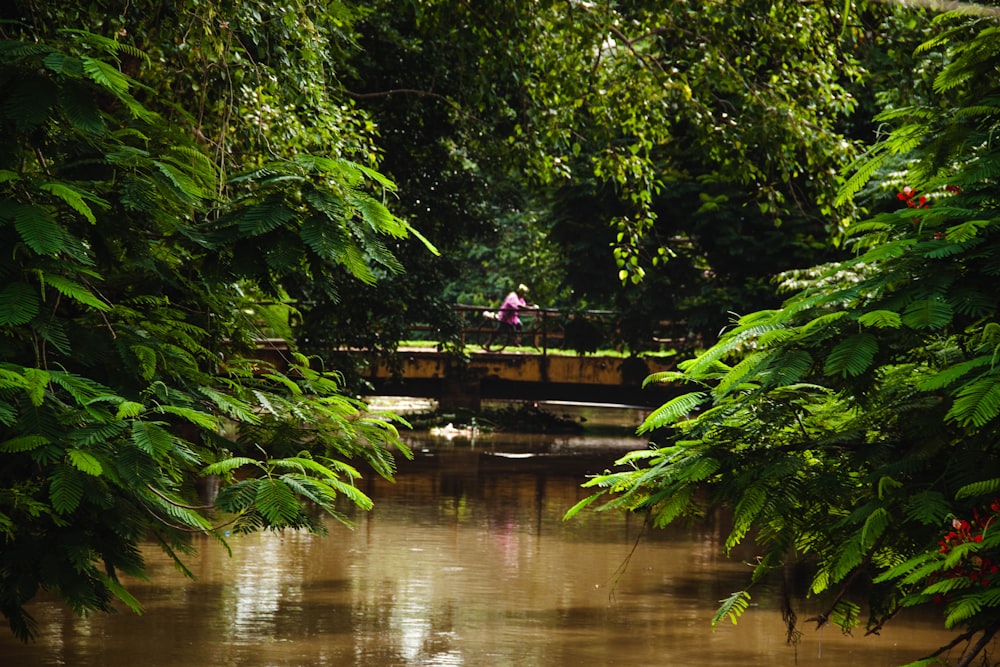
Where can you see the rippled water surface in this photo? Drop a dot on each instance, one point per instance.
(465, 560)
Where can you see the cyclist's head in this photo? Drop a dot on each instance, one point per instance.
(522, 288)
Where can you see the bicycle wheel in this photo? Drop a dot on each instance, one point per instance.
(497, 337)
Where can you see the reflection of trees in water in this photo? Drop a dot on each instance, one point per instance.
(466, 560)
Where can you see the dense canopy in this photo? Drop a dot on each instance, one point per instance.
(179, 181)
(854, 429)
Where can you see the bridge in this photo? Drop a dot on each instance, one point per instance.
(464, 381)
(539, 368)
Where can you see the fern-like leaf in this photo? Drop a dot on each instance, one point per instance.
(962, 610)
(952, 374)
(664, 377)
(852, 356)
(105, 75)
(151, 438)
(881, 319)
(732, 607)
(19, 304)
(986, 487)
(264, 217)
(965, 231)
(875, 525)
(85, 462)
(672, 411)
(65, 489)
(931, 313)
(977, 403)
(741, 373)
(38, 230)
(75, 198)
(80, 108)
(226, 466)
(75, 291)
(24, 443)
(185, 186)
(276, 503)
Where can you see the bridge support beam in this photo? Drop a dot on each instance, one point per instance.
(459, 393)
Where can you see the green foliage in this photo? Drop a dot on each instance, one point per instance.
(732, 607)
(138, 239)
(874, 460)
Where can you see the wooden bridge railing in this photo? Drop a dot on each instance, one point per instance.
(554, 328)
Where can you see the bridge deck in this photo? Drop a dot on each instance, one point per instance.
(602, 379)
(463, 382)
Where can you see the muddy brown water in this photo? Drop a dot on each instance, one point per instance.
(465, 560)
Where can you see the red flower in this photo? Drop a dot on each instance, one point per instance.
(908, 195)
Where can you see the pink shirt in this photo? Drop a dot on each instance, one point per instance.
(509, 308)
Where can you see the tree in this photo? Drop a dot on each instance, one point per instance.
(138, 239)
(854, 429)
(635, 125)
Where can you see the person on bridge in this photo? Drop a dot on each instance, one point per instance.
(508, 322)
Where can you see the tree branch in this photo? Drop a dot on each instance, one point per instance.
(977, 648)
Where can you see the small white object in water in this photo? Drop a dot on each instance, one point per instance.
(451, 431)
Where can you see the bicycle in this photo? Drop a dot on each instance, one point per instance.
(497, 335)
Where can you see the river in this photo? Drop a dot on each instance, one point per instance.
(465, 560)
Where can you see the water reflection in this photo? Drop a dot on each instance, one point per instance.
(465, 560)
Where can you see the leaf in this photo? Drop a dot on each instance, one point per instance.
(24, 443)
(264, 217)
(146, 356)
(75, 198)
(966, 230)
(963, 610)
(582, 504)
(85, 462)
(151, 438)
(741, 373)
(65, 489)
(288, 383)
(673, 506)
(129, 409)
(276, 503)
(230, 406)
(875, 525)
(38, 230)
(787, 367)
(196, 417)
(37, 381)
(80, 107)
(927, 507)
(882, 319)
(351, 492)
(324, 237)
(228, 465)
(986, 487)
(664, 376)
(673, 410)
(852, 356)
(732, 607)
(185, 186)
(977, 403)
(952, 374)
(932, 313)
(76, 291)
(119, 591)
(105, 75)
(19, 304)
